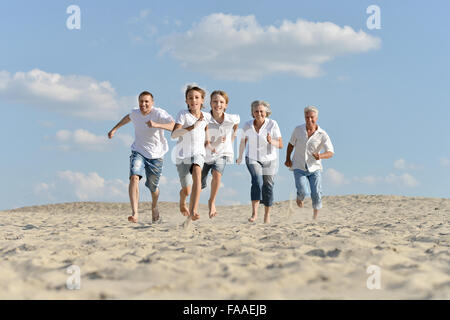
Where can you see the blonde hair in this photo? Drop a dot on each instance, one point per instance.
(255, 104)
(220, 93)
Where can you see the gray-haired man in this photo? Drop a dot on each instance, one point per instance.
(308, 140)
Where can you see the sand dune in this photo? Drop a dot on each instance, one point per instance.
(226, 257)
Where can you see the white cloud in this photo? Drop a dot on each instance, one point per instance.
(63, 135)
(73, 95)
(143, 14)
(403, 165)
(335, 177)
(370, 180)
(88, 141)
(78, 186)
(405, 180)
(146, 30)
(399, 164)
(239, 48)
(93, 187)
(445, 162)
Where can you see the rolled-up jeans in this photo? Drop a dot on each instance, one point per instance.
(263, 174)
(315, 185)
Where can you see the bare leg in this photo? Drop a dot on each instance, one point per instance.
(196, 189)
(266, 215)
(184, 193)
(299, 203)
(316, 212)
(133, 191)
(155, 211)
(215, 184)
(255, 205)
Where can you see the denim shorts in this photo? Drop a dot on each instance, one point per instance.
(218, 165)
(152, 168)
(184, 168)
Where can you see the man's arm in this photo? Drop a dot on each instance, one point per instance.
(325, 155)
(288, 162)
(121, 123)
(166, 126)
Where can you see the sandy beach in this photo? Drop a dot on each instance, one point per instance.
(227, 257)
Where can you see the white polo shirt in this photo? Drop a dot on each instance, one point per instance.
(257, 146)
(192, 142)
(304, 148)
(217, 131)
(150, 142)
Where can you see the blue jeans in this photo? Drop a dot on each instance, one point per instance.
(152, 168)
(315, 185)
(218, 165)
(262, 184)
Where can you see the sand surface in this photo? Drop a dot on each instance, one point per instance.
(294, 257)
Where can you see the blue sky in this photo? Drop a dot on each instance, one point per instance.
(382, 94)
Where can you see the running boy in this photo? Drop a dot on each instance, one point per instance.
(147, 150)
(222, 129)
(191, 129)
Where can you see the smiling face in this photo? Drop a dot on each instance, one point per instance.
(145, 104)
(260, 113)
(194, 100)
(311, 119)
(218, 105)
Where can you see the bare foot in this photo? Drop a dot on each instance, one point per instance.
(212, 209)
(266, 218)
(155, 214)
(195, 216)
(315, 215)
(299, 203)
(184, 208)
(133, 219)
(252, 219)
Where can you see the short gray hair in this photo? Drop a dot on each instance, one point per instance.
(257, 103)
(311, 109)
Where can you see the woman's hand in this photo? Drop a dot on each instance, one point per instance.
(269, 138)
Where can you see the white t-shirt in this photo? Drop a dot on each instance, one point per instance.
(150, 142)
(192, 142)
(217, 131)
(257, 146)
(304, 148)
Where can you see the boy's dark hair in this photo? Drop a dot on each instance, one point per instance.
(145, 93)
